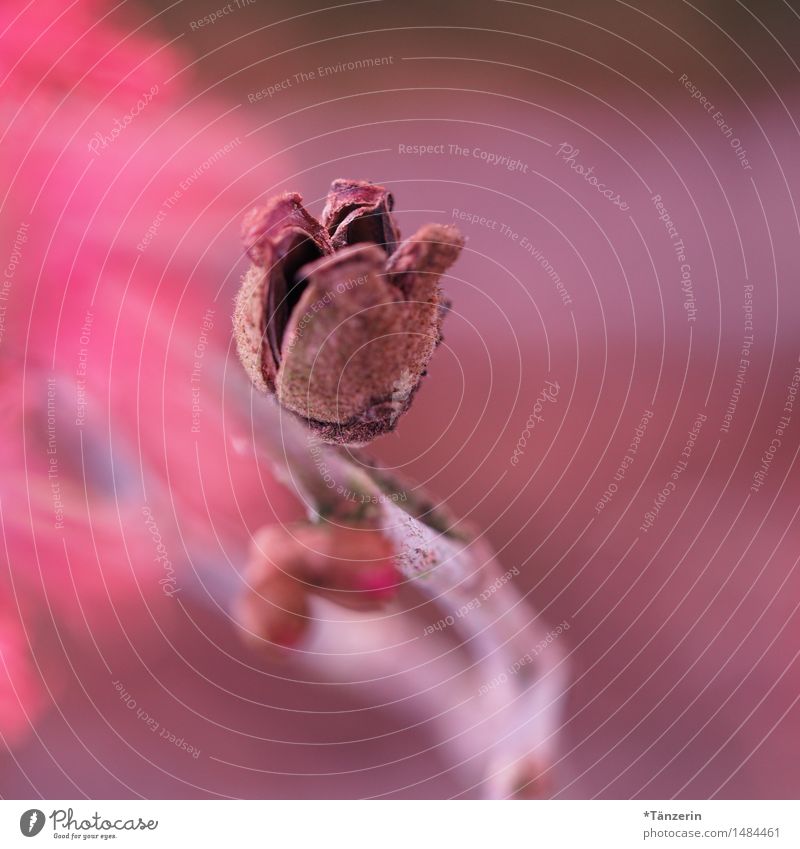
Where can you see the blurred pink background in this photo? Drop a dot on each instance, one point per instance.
(684, 634)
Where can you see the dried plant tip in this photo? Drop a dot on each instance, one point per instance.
(337, 318)
(357, 211)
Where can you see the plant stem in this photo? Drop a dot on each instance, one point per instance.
(518, 713)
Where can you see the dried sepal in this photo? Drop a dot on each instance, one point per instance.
(248, 330)
(268, 226)
(280, 238)
(421, 259)
(357, 211)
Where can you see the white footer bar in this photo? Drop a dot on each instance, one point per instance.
(401, 825)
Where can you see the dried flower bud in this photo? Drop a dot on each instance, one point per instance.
(336, 318)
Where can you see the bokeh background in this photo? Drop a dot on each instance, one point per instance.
(136, 135)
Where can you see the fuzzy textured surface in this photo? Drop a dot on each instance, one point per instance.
(344, 339)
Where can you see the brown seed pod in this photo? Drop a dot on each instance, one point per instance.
(339, 319)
